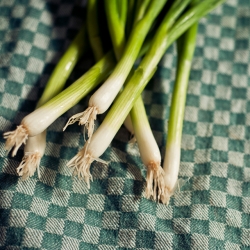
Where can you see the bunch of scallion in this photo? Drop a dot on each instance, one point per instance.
(136, 30)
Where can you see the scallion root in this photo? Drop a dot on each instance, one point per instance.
(86, 118)
(155, 181)
(168, 191)
(165, 196)
(14, 139)
(157, 188)
(81, 164)
(29, 164)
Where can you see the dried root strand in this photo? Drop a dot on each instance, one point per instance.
(86, 118)
(81, 166)
(81, 163)
(14, 139)
(168, 192)
(155, 181)
(157, 188)
(166, 195)
(29, 164)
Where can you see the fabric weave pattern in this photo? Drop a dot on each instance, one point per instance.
(58, 211)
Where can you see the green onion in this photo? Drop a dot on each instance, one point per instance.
(150, 32)
(186, 46)
(140, 10)
(93, 149)
(116, 21)
(35, 146)
(37, 121)
(149, 150)
(101, 100)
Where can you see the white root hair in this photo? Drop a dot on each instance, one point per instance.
(29, 164)
(14, 139)
(155, 181)
(81, 163)
(86, 118)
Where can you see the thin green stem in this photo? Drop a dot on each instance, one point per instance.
(138, 113)
(139, 103)
(186, 45)
(190, 17)
(130, 13)
(116, 27)
(140, 10)
(75, 92)
(136, 39)
(64, 67)
(93, 29)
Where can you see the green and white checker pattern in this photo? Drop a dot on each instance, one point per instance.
(59, 212)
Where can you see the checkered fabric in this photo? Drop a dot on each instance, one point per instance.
(58, 211)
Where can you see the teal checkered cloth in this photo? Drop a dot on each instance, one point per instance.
(58, 211)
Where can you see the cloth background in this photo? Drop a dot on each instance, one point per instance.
(58, 211)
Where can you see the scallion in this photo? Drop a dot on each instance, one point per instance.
(121, 107)
(149, 150)
(101, 100)
(37, 121)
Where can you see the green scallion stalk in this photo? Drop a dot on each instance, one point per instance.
(93, 29)
(130, 13)
(122, 8)
(140, 10)
(65, 66)
(186, 46)
(117, 31)
(149, 150)
(116, 26)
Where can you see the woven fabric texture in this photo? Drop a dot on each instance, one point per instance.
(58, 211)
